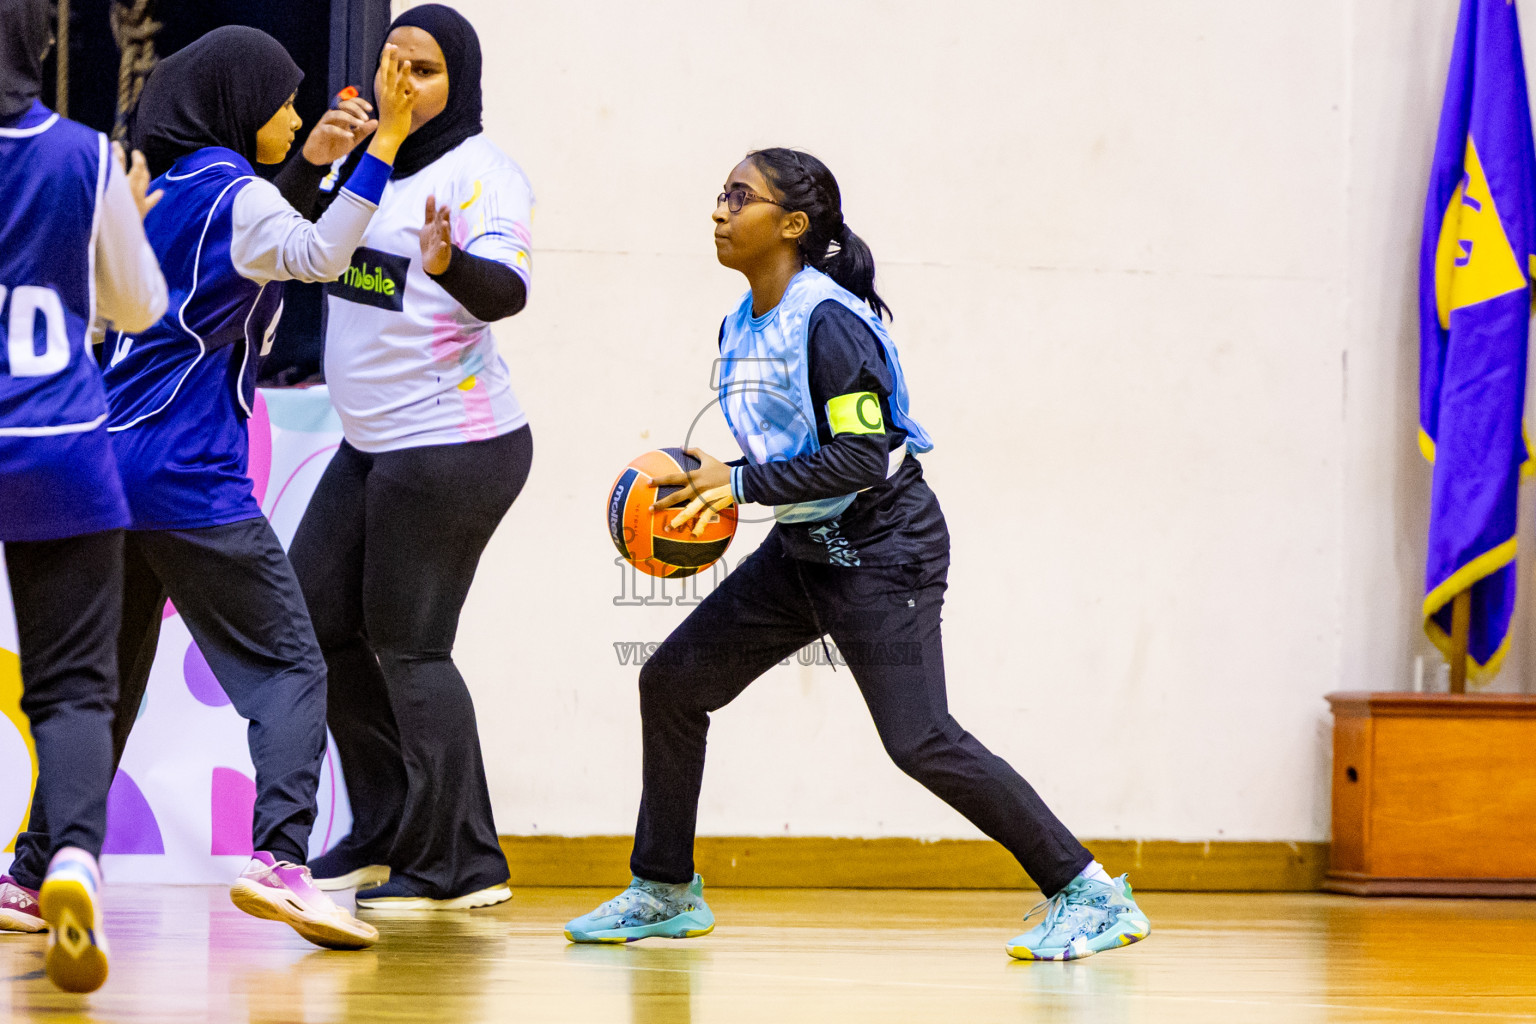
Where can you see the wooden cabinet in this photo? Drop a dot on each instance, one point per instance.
(1433, 794)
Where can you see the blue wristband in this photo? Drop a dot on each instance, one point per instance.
(368, 180)
(736, 484)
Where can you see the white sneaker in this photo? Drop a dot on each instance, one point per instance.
(398, 895)
(364, 877)
(76, 960)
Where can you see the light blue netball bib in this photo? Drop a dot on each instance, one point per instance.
(765, 388)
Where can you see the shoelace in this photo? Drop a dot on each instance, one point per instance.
(290, 866)
(302, 869)
(637, 897)
(627, 899)
(318, 896)
(1057, 908)
(1054, 907)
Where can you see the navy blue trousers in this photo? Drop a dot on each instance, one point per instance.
(68, 600)
(885, 621)
(235, 590)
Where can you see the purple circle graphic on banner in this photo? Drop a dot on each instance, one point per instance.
(131, 825)
(259, 453)
(200, 679)
(234, 804)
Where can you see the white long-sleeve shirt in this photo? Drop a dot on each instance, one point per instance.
(271, 241)
(130, 290)
(407, 364)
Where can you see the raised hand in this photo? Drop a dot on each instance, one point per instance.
(339, 131)
(436, 237)
(138, 179)
(396, 99)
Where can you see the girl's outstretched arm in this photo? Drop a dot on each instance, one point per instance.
(273, 242)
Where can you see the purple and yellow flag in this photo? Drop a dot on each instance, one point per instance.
(1474, 313)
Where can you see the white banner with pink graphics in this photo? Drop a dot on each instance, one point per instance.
(180, 806)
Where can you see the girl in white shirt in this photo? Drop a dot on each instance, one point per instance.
(436, 450)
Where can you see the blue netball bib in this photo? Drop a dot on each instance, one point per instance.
(764, 387)
(57, 475)
(180, 392)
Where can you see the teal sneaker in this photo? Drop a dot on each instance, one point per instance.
(646, 910)
(1085, 918)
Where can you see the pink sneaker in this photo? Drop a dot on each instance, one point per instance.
(19, 911)
(276, 890)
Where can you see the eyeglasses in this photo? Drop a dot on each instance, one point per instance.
(736, 198)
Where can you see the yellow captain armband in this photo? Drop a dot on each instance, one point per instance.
(858, 413)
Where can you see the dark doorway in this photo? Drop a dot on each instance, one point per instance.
(302, 26)
(335, 42)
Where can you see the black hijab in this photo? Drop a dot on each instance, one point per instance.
(25, 33)
(217, 91)
(460, 119)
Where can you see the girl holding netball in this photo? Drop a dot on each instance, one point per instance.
(437, 448)
(813, 391)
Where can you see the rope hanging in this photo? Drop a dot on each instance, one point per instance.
(135, 31)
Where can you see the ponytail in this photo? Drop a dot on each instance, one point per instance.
(806, 185)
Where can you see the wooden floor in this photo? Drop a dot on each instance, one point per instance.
(804, 956)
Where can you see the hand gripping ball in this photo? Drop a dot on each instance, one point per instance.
(644, 538)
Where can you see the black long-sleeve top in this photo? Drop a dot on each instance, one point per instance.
(893, 521)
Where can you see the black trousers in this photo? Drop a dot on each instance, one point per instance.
(235, 590)
(886, 622)
(386, 553)
(68, 601)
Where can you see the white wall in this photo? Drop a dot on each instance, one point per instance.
(1130, 248)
